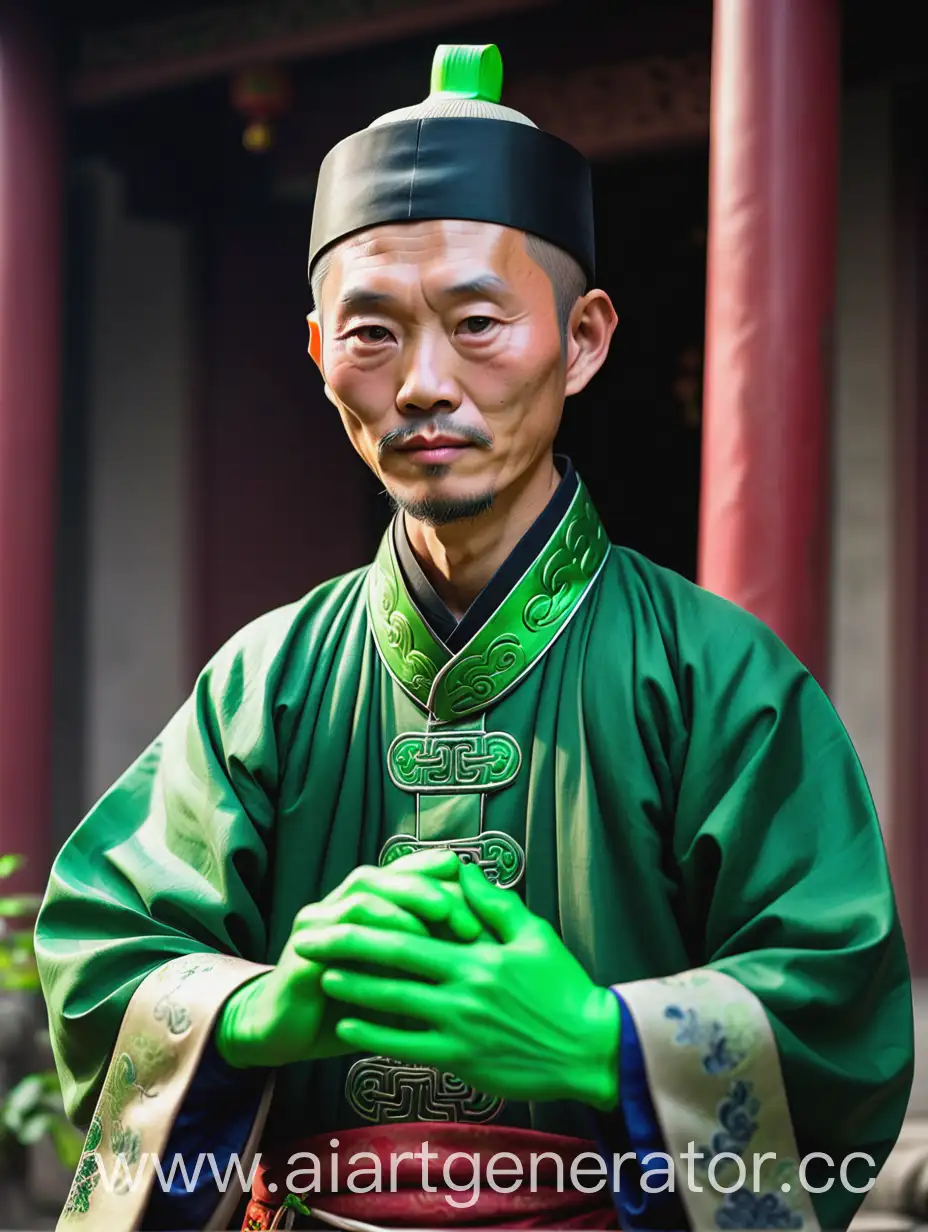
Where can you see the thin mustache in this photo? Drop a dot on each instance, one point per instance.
(438, 426)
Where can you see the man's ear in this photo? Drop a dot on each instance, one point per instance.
(315, 350)
(590, 329)
(315, 340)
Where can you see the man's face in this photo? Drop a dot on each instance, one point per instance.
(442, 351)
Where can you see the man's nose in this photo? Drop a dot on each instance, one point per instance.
(429, 384)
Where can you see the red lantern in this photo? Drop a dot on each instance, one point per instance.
(262, 94)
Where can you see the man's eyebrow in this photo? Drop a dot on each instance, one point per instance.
(357, 299)
(473, 288)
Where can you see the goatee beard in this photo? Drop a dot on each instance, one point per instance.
(435, 511)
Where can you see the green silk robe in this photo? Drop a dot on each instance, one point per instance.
(643, 761)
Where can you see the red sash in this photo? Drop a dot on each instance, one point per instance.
(457, 1155)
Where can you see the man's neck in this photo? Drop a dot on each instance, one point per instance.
(459, 559)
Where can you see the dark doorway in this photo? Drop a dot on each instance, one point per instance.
(634, 434)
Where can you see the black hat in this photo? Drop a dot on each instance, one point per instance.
(486, 168)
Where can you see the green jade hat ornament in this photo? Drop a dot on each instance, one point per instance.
(459, 154)
(468, 72)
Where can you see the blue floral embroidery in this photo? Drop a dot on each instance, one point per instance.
(736, 1115)
(718, 1057)
(743, 1209)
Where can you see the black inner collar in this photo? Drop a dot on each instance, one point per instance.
(456, 634)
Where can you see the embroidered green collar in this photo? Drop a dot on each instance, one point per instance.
(453, 686)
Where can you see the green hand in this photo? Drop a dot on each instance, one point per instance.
(284, 1015)
(519, 1020)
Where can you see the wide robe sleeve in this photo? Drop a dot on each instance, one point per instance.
(779, 1065)
(151, 919)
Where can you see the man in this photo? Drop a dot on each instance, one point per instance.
(512, 844)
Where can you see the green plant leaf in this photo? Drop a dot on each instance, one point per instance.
(68, 1142)
(33, 1109)
(17, 905)
(35, 1127)
(18, 971)
(24, 938)
(25, 1098)
(10, 864)
(38, 1093)
(53, 1088)
(17, 947)
(20, 981)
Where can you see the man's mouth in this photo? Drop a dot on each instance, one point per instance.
(433, 450)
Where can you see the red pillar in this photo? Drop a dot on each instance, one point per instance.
(772, 222)
(30, 217)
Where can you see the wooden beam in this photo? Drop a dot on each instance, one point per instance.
(621, 108)
(142, 57)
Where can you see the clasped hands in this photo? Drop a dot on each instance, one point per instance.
(425, 961)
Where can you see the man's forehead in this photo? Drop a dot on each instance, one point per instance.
(404, 251)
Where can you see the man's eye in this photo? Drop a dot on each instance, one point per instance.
(371, 333)
(477, 325)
